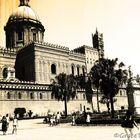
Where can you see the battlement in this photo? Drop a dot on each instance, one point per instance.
(52, 45)
(8, 50)
(85, 46)
(22, 85)
(72, 52)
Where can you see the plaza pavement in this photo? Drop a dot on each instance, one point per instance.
(36, 130)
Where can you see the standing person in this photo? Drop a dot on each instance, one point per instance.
(88, 119)
(52, 120)
(73, 119)
(8, 120)
(128, 124)
(4, 125)
(58, 116)
(15, 123)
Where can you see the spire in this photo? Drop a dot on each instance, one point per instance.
(24, 3)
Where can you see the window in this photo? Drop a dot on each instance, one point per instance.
(34, 36)
(19, 95)
(40, 96)
(120, 93)
(72, 69)
(83, 70)
(5, 73)
(12, 73)
(53, 69)
(31, 96)
(51, 96)
(87, 60)
(19, 35)
(76, 97)
(84, 96)
(78, 71)
(8, 95)
(90, 61)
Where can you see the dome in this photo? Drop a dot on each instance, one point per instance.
(24, 13)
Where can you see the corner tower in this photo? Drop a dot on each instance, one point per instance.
(23, 26)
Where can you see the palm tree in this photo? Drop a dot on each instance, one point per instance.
(105, 100)
(64, 88)
(111, 77)
(84, 82)
(96, 76)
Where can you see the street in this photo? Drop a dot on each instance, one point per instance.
(36, 130)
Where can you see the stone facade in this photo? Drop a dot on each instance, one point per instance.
(28, 65)
(35, 97)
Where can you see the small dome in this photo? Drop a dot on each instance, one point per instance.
(24, 13)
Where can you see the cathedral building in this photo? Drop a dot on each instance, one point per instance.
(28, 64)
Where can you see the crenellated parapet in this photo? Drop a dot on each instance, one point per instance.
(23, 85)
(8, 50)
(52, 45)
(81, 49)
(72, 52)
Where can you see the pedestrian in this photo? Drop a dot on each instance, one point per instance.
(4, 125)
(52, 120)
(88, 119)
(73, 119)
(15, 124)
(58, 116)
(128, 124)
(8, 120)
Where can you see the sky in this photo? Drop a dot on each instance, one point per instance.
(70, 23)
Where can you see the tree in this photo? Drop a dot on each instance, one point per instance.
(111, 76)
(89, 92)
(84, 82)
(96, 72)
(64, 88)
(20, 112)
(105, 100)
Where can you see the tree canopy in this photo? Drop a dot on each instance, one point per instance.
(109, 75)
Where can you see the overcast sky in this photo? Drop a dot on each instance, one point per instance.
(71, 23)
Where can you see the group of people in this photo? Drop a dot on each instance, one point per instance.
(55, 119)
(5, 124)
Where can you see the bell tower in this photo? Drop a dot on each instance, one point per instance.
(97, 40)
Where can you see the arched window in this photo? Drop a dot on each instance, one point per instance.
(78, 71)
(34, 36)
(31, 96)
(8, 95)
(19, 95)
(53, 69)
(51, 96)
(40, 96)
(83, 70)
(84, 96)
(120, 93)
(72, 69)
(5, 73)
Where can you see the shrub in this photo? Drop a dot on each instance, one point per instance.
(20, 112)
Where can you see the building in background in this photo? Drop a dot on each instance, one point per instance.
(28, 64)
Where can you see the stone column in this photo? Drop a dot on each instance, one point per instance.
(134, 97)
